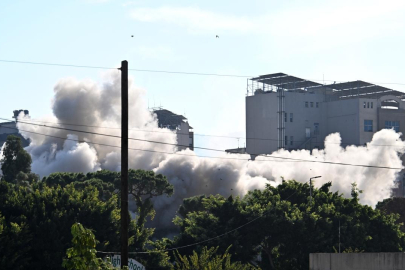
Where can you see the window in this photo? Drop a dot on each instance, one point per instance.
(392, 125)
(286, 140)
(285, 117)
(291, 117)
(371, 105)
(316, 128)
(317, 104)
(312, 104)
(368, 125)
(306, 104)
(291, 140)
(368, 105)
(364, 104)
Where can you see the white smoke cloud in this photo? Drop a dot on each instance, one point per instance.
(88, 103)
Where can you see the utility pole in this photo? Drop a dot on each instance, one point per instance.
(124, 163)
(339, 235)
(310, 188)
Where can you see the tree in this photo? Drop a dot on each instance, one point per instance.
(395, 206)
(37, 222)
(82, 256)
(209, 260)
(280, 224)
(143, 186)
(15, 159)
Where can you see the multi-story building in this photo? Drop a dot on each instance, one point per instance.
(284, 111)
(178, 124)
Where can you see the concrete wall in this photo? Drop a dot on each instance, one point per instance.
(11, 130)
(357, 261)
(261, 123)
(304, 118)
(367, 113)
(183, 137)
(343, 117)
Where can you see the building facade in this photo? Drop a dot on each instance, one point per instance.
(287, 112)
(177, 123)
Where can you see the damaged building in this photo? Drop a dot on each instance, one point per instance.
(10, 128)
(177, 123)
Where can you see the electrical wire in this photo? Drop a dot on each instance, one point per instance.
(218, 150)
(196, 134)
(164, 71)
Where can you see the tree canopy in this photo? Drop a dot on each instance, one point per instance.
(284, 227)
(15, 159)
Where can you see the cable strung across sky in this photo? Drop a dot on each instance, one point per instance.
(202, 148)
(163, 71)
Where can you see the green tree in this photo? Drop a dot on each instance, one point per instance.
(37, 222)
(15, 159)
(395, 206)
(208, 260)
(143, 187)
(281, 225)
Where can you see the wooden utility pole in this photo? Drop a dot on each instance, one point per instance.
(124, 163)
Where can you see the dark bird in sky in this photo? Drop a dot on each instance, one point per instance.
(220, 178)
(132, 36)
(217, 36)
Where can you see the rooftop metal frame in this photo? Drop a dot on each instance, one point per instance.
(335, 91)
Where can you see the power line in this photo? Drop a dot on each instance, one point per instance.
(165, 71)
(196, 134)
(218, 150)
(137, 149)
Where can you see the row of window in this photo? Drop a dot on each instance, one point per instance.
(286, 140)
(392, 124)
(286, 117)
(367, 105)
(368, 125)
(311, 104)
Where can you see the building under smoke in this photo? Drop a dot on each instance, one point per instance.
(177, 123)
(10, 128)
(287, 112)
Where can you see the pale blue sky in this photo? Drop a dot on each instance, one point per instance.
(340, 40)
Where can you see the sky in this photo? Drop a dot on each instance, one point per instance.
(314, 40)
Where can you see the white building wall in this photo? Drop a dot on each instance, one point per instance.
(261, 123)
(343, 117)
(183, 136)
(367, 113)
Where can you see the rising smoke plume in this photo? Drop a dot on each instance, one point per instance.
(92, 104)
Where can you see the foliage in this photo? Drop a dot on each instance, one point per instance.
(395, 206)
(15, 159)
(82, 256)
(208, 260)
(37, 220)
(284, 227)
(143, 186)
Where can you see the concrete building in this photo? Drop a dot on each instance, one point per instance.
(178, 124)
(288, 112)
(10, 128)
(284, 111)
(357, 261)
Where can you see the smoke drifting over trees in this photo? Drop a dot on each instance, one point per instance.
(92, 104)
